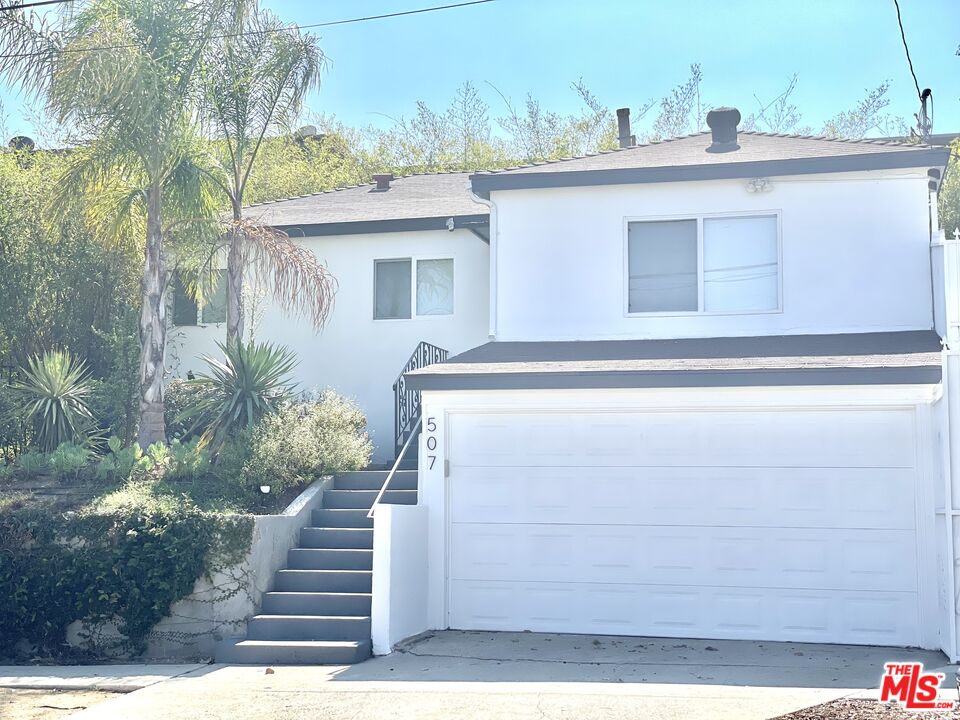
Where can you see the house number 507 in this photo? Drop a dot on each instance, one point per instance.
(431, 441)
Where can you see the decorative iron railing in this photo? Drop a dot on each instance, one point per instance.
(406, 403)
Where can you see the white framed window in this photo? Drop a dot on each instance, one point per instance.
(404, 287)
(723, 264)
(186, 311)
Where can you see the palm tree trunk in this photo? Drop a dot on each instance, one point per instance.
(153, 328)
(235, 287)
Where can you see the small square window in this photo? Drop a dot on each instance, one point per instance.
(435, 287)
(662, 258)
(184, 306)
(740, 264)
(215, 306)
(392, 289)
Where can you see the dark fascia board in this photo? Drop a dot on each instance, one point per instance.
(483, 183)
(362, 227)
(919, 375)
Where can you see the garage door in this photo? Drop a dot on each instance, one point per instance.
(771, 525)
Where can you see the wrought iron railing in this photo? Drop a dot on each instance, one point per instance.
(406, 403)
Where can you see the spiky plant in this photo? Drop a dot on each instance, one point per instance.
(53, 399)
(251, 381)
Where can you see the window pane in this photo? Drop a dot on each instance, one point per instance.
(215, 308)
(740, 262)
(392, 289)
(434, 287)
(184, 306)
(662, 259)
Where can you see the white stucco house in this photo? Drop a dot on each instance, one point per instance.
(706, 387)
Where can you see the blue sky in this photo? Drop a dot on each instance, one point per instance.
(626, 53)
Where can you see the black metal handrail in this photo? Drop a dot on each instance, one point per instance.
(406, 403)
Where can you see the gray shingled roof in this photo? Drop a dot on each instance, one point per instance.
(691, 150)
(439, 195)
(861, 358)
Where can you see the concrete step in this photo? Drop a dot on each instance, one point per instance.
(363, 499)
(308, 627)
(348, 581)
(313, 603)
(329, 559)
(292, 652)
(373, 480)
(325, 517)
(359, 538)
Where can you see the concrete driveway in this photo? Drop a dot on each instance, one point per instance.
(473, 675)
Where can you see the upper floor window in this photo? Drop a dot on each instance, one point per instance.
(707, 264)
(404, 285)
(186, 310)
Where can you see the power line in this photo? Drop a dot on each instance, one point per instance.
(906, 49)
(19, 6)
(289, 28)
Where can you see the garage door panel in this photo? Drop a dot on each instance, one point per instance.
(833, 438)
(762, 524)
(680, 611)
(791, 497)
(834, 559)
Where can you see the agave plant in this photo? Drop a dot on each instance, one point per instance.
(53, 399)
(251, 381)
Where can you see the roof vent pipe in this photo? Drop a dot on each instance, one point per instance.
(623, 128)
(383, 181)
(723, 123)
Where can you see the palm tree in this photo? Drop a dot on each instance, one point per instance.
(123, 77)
(256, 82)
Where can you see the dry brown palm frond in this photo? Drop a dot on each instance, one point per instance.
(300, 283)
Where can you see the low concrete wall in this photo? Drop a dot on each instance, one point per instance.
(220, 606)
(399, 607)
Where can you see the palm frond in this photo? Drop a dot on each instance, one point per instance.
(300, 283)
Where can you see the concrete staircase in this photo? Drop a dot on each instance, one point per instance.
(318, 612)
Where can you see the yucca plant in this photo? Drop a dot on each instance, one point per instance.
(251, 381)
(53, 399)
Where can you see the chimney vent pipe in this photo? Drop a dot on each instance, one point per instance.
(623, 128)
(723, 123)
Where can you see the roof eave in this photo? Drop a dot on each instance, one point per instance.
(483, 183)
(363, 227)
(916, 375)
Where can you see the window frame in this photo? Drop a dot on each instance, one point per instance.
(699, 218)
(414, 262)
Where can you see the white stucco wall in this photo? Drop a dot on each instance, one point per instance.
(854, 256)
(399, 608)
(355, 354)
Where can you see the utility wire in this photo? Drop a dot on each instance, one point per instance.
(906, 49)
(19, 6)
(248, 32)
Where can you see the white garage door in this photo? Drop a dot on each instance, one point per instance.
(775, 525)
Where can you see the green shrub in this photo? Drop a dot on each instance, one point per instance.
(53, 398)
(32, 463)
(305, 440)
(128, 560)
(178, 396)
(118, 462)
(13, 432)
(115, 399)
(189, 461)
(68, 460)
(250, 382)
